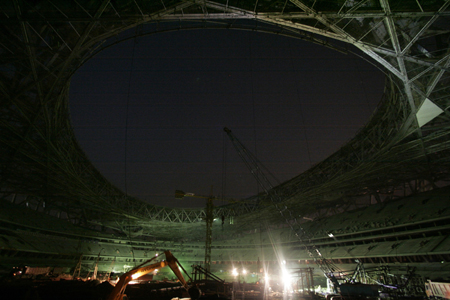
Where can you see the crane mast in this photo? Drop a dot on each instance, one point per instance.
(261, 175)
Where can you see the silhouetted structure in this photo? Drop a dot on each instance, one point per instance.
(402, 152)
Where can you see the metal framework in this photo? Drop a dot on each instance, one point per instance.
(403, 149)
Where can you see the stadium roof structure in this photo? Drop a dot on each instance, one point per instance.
(403, 150)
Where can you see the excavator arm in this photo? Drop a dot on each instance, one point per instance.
(171, 261)
(173, 264)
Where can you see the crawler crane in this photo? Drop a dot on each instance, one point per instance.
(347, 285)
(259, 172)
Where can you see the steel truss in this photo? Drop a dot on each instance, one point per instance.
(42, 43)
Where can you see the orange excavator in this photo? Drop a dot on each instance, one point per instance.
(119, 290)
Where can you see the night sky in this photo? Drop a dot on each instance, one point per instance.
(150, 112)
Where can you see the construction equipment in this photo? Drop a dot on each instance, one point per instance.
(209, 218)
(119, 290)
(343, 283)
(437, 290)
(77, 271)
(261, 175)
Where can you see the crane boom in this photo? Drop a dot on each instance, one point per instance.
(259, 172)
(253, 164)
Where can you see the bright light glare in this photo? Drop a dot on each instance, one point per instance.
(244, 271)
(134, 276)
(286, 278)
(235, 273)
(330, 235)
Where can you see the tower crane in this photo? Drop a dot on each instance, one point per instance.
(209, 218)
(261, 175)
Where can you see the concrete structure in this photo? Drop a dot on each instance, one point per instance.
(381, 199)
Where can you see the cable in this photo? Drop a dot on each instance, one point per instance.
(300, 109)
(224, 167)
(356, 65)
(253, 102)
(126, 143)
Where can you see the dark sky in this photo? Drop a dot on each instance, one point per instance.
(150, 114)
